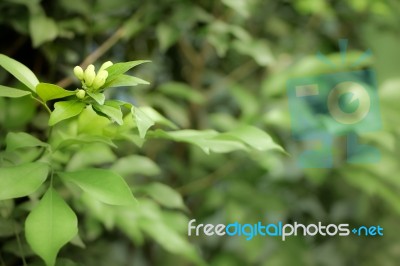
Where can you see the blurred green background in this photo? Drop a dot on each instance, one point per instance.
(217, 64)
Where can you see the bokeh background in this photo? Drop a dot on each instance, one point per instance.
(217, 64)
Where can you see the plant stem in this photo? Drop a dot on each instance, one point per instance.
(42, 103)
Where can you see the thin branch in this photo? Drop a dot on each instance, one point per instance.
(103, 48)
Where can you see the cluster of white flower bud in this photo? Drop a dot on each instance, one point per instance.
(90, 80)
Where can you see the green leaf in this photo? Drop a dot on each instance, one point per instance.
(84, 139)
(142, 165)
(103, 185)
(19, 71)
(50, 225)
(97, 96)
(125, 81)
(89, 122)
(42, 29)
(22, 140)
(113, 112)
(157, 117)
(47, 91)
(207, 140)
(12, 92)
(65, 110)
(255, 138)
(164, 195)
(21, 180)
(143, 121)
(120, 68)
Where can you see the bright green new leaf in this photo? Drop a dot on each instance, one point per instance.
(22, 140)
(164, 195)
(103, 185)
(97, 96)
(48, 92)
(65, 110)
(21, 180)
(125, 81)
(143, 121)
(120, 68)
(12, 92)
(42, 29)
(50, 226)
(19, 71)
(113, 112)
(89, 122)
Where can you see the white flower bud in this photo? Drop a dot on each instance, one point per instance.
(100, 79)
(89, 75)
(78, 71)
(80, 94)
(105, 65)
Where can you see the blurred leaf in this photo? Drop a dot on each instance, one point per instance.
(19, 71)
(239, 6)
(167, 35)
(135, 164)
(143, 121)
(104, 185)
(42, 29)
(47, 91)
(255, 138)
(164, 195)
(89, 155)
(50, 226)
(157, 117)
(181, 90)
(65, 110)
(22, 140)
(207, 140)
(12, 92)
(22, 180)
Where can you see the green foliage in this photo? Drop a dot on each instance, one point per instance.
(191, 143)
(50, 225)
